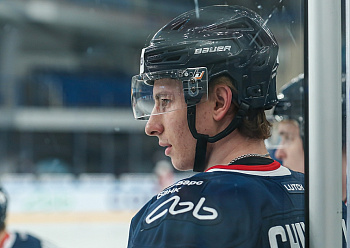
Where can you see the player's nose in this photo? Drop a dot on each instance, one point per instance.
(154, 126)
(280, 153)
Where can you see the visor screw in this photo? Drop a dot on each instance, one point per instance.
(193, 89)
(193, 81)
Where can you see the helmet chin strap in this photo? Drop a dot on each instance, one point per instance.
(203, 139)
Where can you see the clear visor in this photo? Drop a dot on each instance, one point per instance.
(284, 133)
(274, 141)
(166, 91)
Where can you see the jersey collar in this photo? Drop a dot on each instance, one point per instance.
(5, 238)
(273, 169)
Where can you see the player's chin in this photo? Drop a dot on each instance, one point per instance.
(182, 165)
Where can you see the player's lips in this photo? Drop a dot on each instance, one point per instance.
(167, 149)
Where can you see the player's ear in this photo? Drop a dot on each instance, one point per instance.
(222, 96)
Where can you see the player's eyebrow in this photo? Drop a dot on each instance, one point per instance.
(283, 133)
(162, 93)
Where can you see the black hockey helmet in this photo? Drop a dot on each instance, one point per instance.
(213, 41)
(230, 40)
(291, 102)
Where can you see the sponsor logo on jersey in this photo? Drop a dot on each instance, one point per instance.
(171, 189)
(174, 206)
(188, 182)
(168, 191)
(294, 187)
(174, 189)
(214, 49)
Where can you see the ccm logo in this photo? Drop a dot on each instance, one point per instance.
(212, 49)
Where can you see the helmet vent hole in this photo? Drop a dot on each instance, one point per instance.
(174, 58)
(233, 26)
(260, 63)
(179, 25)
(256, 41)
(238, 26)
(177, 49)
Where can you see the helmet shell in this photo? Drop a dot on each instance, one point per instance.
(291, 101)
(227, 40)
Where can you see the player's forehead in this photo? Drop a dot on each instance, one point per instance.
(168, 85)
(288, 127)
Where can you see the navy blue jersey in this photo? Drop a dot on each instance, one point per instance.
(226, 206)
(24, 240)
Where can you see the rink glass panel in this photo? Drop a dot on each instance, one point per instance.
(66, 122)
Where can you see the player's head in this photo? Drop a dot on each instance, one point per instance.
(289, 113)
(291, 102)
(199, 48)
(3, 208)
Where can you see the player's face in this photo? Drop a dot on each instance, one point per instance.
(290, 150)
(171, 127)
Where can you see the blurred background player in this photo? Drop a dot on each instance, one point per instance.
(9, 239)
(289, 133)
(165, 174)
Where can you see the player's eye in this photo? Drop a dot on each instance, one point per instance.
(288, 138)
(163, 102)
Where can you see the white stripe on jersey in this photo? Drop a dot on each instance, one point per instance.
(281, 171)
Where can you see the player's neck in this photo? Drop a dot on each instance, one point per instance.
(231, 147)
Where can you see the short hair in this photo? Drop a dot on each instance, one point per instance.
(254, 124)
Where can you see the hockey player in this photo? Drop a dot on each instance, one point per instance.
(15, 239)
(289, 113)
(205, 80)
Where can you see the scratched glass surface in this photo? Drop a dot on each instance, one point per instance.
(72, 156)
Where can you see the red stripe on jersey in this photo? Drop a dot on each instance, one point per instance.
(6, 236)
(269, 167)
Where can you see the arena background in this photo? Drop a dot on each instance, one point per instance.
(75, 164)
